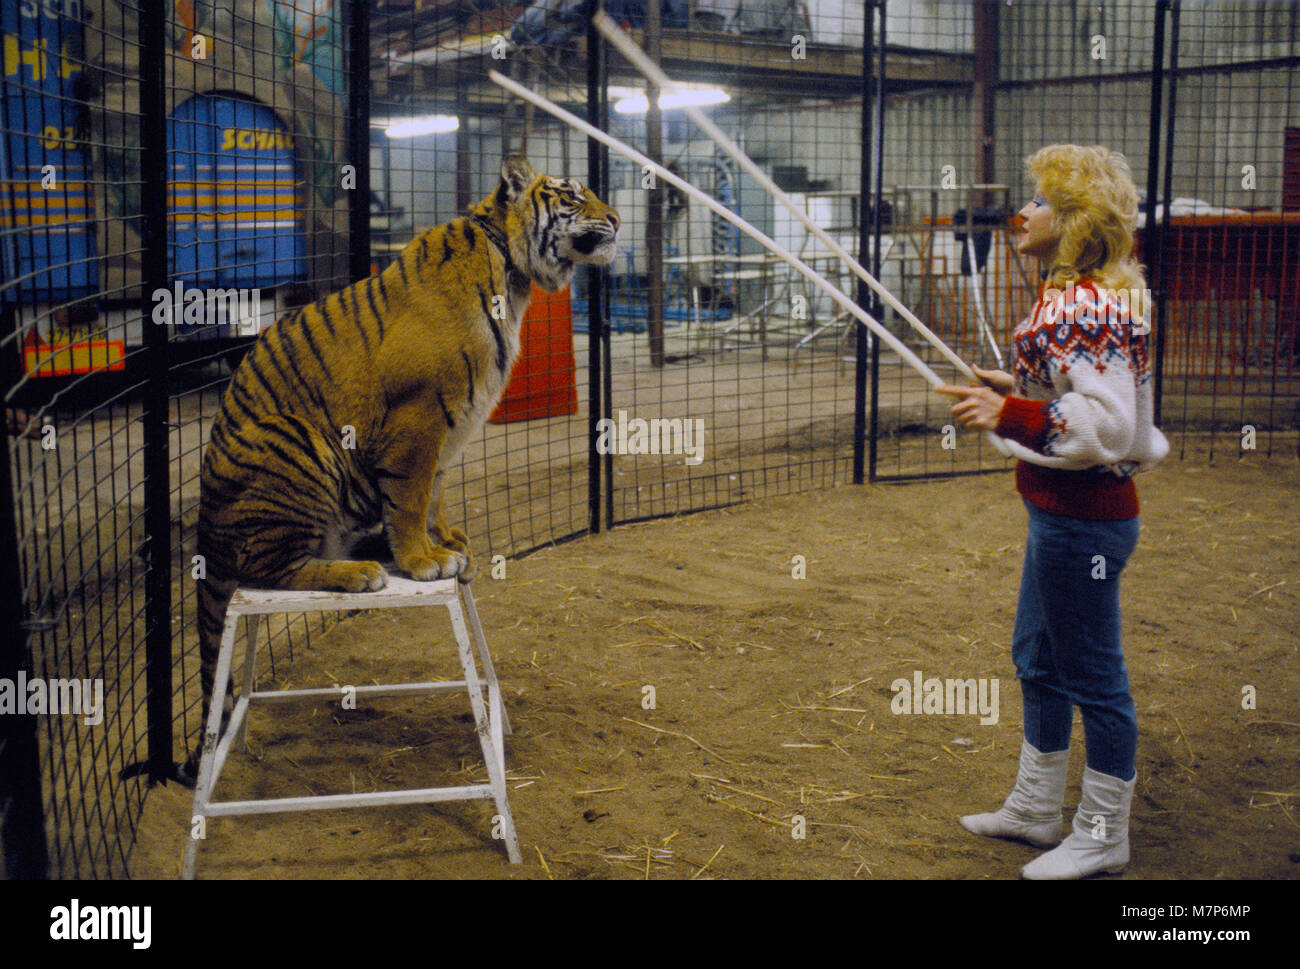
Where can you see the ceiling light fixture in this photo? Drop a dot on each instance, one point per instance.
(693, 97)
(431, 124)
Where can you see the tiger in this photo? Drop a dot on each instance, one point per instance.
(338, 425)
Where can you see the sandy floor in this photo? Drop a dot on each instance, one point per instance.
(772, 701)
(773, 427)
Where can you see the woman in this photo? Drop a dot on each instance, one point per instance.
(1078, 413)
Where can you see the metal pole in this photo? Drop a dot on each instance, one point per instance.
(986, 76)
(863, 342)
(157, 391)
(22, 833)
(878, 163)
(873, 128)
(22, 818)
(654, 226)
(1149, 241)
(878, 150)
(606, 292)
(1159, 363)
(359, 139)
(595, 279)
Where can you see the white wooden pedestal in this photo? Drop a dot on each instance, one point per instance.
(401, 593)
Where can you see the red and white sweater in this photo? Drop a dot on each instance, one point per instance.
(1081, 418)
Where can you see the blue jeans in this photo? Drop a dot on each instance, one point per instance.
(1066, 644)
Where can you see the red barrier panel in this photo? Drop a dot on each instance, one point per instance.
(542, 383)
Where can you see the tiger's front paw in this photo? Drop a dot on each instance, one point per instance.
(436, 563)
(358, 576)
(456, 540)
(470, 569)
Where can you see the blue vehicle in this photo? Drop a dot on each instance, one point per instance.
(251, 192)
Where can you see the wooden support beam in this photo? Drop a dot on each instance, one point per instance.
(982, 100)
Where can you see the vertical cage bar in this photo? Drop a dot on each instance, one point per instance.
(654, 225)
(1159, 322)
(359, 139)
(1149, 252)
(877, 167)
(22, 821)
(157, 444)
(878, 163)
(985, 40)
(602, 177)
(873, 132)
(863, 343)
(595, 278)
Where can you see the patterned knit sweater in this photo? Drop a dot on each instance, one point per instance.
(1081, 418)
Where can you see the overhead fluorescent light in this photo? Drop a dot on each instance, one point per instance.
(691, 97)
(426, 125)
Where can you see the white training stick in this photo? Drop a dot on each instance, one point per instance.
(910, 358)
(638, 58)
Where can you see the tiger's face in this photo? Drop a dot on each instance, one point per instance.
(584, 229)
(562, 222)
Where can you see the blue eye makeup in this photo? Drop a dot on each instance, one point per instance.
(1040, 201)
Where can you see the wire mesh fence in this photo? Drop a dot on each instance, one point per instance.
(730, 376)
(170, 187)
(1230, 236)
(440, 131)
(178, 176)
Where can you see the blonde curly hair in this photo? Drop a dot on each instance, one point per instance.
(1094, 204)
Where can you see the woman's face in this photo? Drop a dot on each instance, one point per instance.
(1036, 237)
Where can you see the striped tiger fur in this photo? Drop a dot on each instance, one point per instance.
(404, 366)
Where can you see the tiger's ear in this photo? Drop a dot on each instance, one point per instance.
(516, 175)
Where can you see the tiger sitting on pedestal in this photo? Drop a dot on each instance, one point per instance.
(344, 415)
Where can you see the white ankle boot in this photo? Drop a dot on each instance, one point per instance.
(1099, 842)
(1032, 811)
